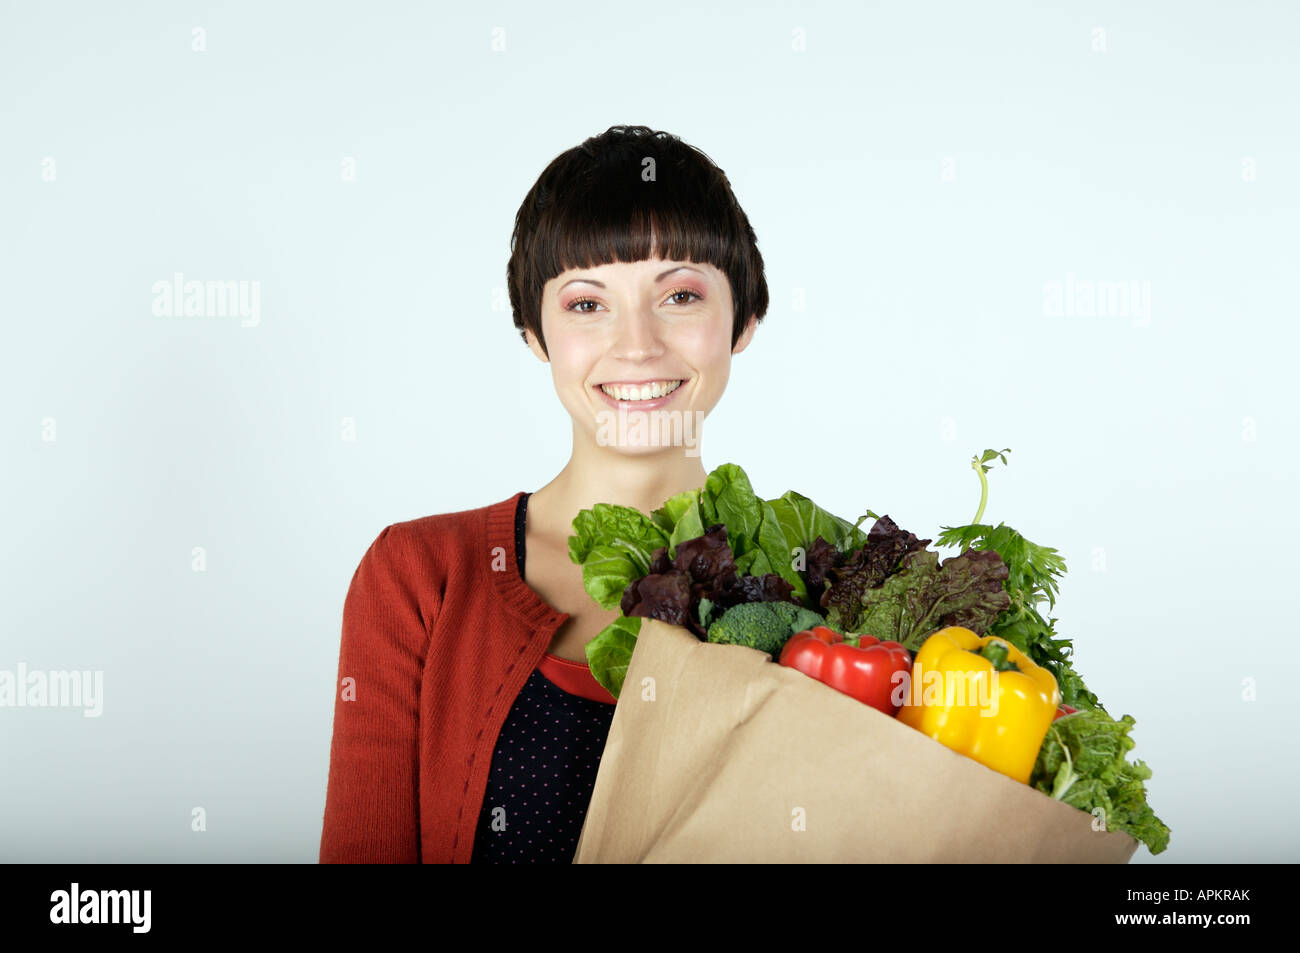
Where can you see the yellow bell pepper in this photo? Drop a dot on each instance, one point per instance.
(1001, 723)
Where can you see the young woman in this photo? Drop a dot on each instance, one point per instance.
(467, 726)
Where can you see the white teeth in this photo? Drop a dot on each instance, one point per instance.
(644, 392)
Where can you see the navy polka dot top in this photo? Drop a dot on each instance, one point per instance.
(543, 767)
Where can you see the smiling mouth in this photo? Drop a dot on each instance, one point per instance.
(635, 392)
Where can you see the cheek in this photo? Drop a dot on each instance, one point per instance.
(708, 348)
(572, 358)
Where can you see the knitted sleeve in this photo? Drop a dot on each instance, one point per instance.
(371, 802)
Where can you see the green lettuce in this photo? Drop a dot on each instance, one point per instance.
(1082, 763)
(680, 519)
(610, 653)
(803, 521)
(614, 545)
(925, 595)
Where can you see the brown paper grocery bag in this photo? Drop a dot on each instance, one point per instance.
(718, 755)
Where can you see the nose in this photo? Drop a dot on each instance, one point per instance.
(637, 338)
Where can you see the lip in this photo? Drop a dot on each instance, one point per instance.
(633, 405)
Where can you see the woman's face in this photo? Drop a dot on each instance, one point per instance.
(656, 334)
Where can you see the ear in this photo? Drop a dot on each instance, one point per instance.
(742, 342)
(535, 346)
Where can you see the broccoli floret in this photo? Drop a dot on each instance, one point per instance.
(765, 626)
(796, 616)
(753, 624)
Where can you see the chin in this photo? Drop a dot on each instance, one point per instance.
(677, 432)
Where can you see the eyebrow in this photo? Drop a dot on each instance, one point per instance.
(658, 278)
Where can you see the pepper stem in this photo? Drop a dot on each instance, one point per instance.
(996, 652)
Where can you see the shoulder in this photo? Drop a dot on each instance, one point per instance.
(427, 545)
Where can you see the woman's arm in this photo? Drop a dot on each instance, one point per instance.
(372, 802)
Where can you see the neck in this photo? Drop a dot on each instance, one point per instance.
(601, 474)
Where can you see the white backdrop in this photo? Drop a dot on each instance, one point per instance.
(928, 183)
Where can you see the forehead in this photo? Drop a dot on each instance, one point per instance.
(639, 272)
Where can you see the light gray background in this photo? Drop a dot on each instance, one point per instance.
(916, 175)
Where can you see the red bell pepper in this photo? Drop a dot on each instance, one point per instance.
(1064, 710)
(860, 666)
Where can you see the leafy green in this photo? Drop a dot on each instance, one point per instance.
(772, 541)
(680, 518)
(1082, 763)
(610, 652)
(606, 572)
(614, 545)
(728, 495)
(704, 613)
(803, 521)
(851, 575)
(925, 595)
(607, 524)
(674, 509)
(1031, 569)
(753, 563)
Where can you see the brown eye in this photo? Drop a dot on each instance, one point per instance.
(573, 305)
(685, 291)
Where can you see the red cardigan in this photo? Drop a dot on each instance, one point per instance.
(440, 633)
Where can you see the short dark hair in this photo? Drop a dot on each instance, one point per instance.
(592, 206)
